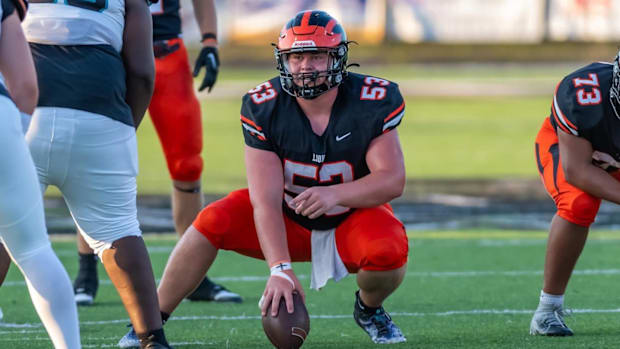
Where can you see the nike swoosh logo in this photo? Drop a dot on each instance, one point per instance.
(339, 138)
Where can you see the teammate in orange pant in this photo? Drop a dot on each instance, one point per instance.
(578, 156)
(323, 160)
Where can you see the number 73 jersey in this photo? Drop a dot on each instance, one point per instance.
(365, 108)
(581, 107)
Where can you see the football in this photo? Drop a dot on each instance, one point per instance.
(288, 330)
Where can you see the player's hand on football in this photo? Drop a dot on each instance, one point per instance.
(278, 287)
(209, 59)
(315, 201)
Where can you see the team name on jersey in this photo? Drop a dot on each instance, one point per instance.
(318, 158)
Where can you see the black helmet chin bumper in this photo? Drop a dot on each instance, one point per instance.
(306, 90)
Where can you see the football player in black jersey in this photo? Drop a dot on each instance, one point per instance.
(175, 112)
(83, 136)
(578, 156)
(323, 160)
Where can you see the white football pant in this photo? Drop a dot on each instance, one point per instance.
(23, 232)
(93, 160)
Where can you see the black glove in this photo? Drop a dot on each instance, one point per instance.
(209, 59)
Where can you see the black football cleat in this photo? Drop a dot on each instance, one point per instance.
(209, 291)
(378, 325)
(151, 343)
(86, 283)
(155, 345)
(130, 340)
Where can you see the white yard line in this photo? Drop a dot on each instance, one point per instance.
(110, 339)
(507, 273)
(473, 273)
(62, 252)
(174, 344)
(21, 331)
(323, 316)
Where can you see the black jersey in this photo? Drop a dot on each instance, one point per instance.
(365, 108)
(74, 76)
(166, 20)
(581, 107)
(7, 8)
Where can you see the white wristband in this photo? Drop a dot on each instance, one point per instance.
(284, 276)
(276, 270)
(281, 267)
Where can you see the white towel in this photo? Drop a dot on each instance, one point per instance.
(326, 262)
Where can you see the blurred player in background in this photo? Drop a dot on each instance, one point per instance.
(22, 222)
(95, 69)
(578, 156)
(175, 112)
(323, 160)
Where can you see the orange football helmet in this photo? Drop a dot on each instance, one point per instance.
(312, 31)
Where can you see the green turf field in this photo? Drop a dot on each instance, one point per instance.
(464, 289)
(442, 137)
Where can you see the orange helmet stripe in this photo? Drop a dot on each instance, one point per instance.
(330, 25)
(305, 19)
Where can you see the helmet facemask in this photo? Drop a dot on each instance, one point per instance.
(614, 92)
(305, 85)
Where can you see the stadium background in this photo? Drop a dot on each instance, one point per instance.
(478, 76)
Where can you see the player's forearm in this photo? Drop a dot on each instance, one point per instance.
(594, 181)
(204, 10)
(17, 66)
(271, 234)
(375, 189)
(25, 94)
(137, 53)
(138, 96)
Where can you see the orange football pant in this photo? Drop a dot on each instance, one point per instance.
(175, 113)
(369, 239)
(573, 204)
